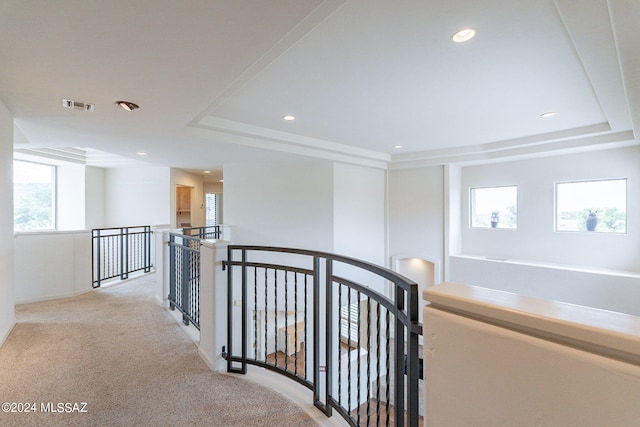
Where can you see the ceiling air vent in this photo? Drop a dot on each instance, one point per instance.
(69, 103)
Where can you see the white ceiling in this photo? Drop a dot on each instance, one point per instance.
(214, 78)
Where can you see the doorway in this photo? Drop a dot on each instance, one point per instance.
(183, 206)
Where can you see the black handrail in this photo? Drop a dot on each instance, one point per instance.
(349, 320)
(119, 251)
(208, 232)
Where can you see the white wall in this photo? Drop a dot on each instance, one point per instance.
(478, 374)
(416, 219)
(535, 238)
(359, 212)
(94, 197)
(7, 316)
(213, 187)
(52, 265)
(70, 196)
(359, 230)
(137, 196)
(280, 204)
(180, 177)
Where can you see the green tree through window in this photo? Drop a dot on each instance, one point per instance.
(605, 200)
(33, 196)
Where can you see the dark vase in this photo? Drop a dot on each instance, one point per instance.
(495, 218)
(592, 221)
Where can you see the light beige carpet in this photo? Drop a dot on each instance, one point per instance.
(120, 352)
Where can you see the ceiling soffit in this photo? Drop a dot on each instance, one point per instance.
(443, 104)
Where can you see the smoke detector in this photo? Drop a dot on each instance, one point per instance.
(76, 105)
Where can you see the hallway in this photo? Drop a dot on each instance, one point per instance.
(124, 356)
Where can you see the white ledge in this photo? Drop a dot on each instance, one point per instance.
(611, 334)
(49, 233)
(544, 264)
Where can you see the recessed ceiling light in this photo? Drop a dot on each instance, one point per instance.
(463, 35)
(129, 106)
(288, 117)
(548, 114)
(207, 171)
(397, 147)
(222, 180)
(142, 153)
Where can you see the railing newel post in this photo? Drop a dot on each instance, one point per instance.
(316, 330)
(229, 308)
(399, 358)
(172, 271)
(244, 311)
(97, 256)
(329, 334)
(184, 298)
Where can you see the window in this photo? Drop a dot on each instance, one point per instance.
(211, 203)
(34, 202)
(599, 206)
(349, 315)
(494, 207)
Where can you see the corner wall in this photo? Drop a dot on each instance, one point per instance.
(7, 314)
(358, 212)
(94, 197)
(280, 204)
(70, 197)
(137, 196)
(416, 213)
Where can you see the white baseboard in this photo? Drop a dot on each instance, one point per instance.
(53, 297)
(4, 337)
(215, 367)
(300, 395)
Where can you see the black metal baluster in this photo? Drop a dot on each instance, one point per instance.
(140, 249)
(121, 253)
(179, 276)
(266, 315)
(109, 260)
(378, 364)
(147, 248)
(172, 271)
(198, 299)
(388, 377)
(243, 309)
(137, 258)
(340, 320)
(295, 320)
(95, 257)
(286, 320)
(358, 355)
(275, 293)
(349, 351)
(115, 255)
(306, 321)
(185, 286)
(255, 313)
(229, 347)
(399, 343)
(368, 360)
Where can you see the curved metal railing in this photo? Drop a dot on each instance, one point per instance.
(345, 328)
